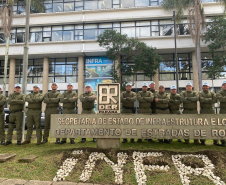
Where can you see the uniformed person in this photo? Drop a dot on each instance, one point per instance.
(127, 99)
(162, 105)
(152, 89)
(16, 101)
(207, 100)
(69, 99)
(2, 115)
(221, 96)
(52, 100)
(88, 98)
(145, 98)
(189, 99)
(174, 103)
(34, 114)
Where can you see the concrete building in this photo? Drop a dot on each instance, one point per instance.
(63, 45)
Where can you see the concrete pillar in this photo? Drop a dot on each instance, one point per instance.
(156, 79)
(80, 80)
(12, 70)
(45, 82)
(195, 77)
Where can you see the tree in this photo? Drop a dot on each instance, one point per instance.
(122, 48)
(6, 14)
(215, 35)
(196, 23)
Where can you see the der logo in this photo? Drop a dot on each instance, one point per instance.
(108, 101)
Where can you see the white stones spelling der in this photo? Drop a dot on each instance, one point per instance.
(139, 167)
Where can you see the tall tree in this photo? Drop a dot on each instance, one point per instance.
(196, 23)
(122, 48)
(215, 35)
(6, 14)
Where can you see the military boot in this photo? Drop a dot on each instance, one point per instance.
(18, 143)
(196, 141)
(139, 141)
(179, 140)
(124, 141)
(8, 143)
(26, 142)
(57, 141)
(187, 141)
(83, 140)
(150, 141)
(132, 141)
(94, 140)
(2, 142)
(203, 143)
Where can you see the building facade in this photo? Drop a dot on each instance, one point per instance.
(63, 46)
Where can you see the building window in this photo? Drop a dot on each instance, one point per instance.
(62, 70)
(34, 73)
(2, 64)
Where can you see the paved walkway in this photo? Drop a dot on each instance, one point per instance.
(4, 181)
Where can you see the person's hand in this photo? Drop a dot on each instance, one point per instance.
(156, 100)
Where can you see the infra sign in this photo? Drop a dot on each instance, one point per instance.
(108, 101)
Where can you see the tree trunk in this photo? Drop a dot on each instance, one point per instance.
(25, 57)
(199, 62)
(5, 66)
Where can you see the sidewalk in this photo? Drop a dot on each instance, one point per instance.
(4, 181)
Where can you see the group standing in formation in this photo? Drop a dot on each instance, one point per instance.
(160, 102)
(150, 102)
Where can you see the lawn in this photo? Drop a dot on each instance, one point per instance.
(51, 157)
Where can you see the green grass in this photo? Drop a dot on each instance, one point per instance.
(51, 157)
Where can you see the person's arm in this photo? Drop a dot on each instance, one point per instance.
(214, 98)
(28, 99)
(150, 98)
(165, 100)
(183, 99)
(123, 100)
(46, 99)
(82, 98)
(195, 98)
(204, 100)
(63, 99)
(140, 98)
(221, 98)
(133, 98)
(74, 98)
(39, 98)
(21, 100)
(177, 101)
(57, 99)
(91, 98)
(3, 100)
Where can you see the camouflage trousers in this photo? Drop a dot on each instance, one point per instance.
(34, 117)
(48, 112)
(15, 117)
(223, 111)
(174, 112)
(90, 111)
(159, 111)
(68, 111)
(2, 126)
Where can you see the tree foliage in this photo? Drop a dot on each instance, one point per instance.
(216, 37)
(122, 48)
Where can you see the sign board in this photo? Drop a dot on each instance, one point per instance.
(162, 126)
(108, 99)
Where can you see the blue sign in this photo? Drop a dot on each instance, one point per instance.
(98, 61)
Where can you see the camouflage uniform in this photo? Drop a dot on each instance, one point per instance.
(174, 104)
(68, 105)
(207, 100)
(52, 100)
(88, 105)
(189, 100)
(128, 105)
(162, 106)
(34, 115)
(16, 102)
(153, 104)
(145, 99)
(221, 96)
(2, 120)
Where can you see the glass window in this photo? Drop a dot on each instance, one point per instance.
(60, 79)
(20, 37)
(90, 5)
(77, 4)
(184, 66)
(71, 79)
(127, 24)
(90, 34)
(2, 38)
(46, 34)
(57, 36)
(78, 32)
(57, 28)
(116, 24)
(166, 77)
(141, 2)
(167, 67)
(60, 70)
(57, 7)
(70, 27)
(143, 23)
(72, 60)
(79, 26)
(47, 28)
(69, 6)
(129, 31)
(104, 4)
(105, 25)
(127, 3)
(166, 30)
(142, 31)
(60, 61)
(68, 35)
(38, 62)
(90, 26)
